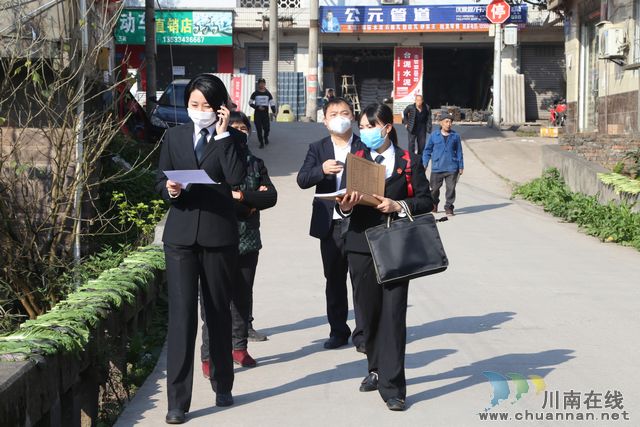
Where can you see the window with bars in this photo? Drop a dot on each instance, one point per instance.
(285, 4)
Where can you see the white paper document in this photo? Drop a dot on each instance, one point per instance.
(331, 196)
(190, 176)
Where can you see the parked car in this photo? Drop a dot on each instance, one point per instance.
(170, 110)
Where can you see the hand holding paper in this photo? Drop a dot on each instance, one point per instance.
(186, 177)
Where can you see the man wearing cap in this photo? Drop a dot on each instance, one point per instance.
(417, 119)
(261, 100)
(444, 149)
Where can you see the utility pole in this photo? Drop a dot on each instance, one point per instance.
(273, 49)
(497, 76)
(150, 55)
(312, 74)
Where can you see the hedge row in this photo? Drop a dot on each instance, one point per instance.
(67, 326)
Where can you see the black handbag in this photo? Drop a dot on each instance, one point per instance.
(406, 248)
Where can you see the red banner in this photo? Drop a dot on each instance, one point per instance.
(236, 91)
(407, 73)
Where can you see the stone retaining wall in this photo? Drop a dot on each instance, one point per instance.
(581, 175)
(61, 390)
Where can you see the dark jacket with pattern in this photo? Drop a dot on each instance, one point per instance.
(248, 211)
(409, 118)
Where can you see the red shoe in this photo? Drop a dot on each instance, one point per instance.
(205, 368)
(242, 358)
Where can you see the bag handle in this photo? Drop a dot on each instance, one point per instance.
(406, 209)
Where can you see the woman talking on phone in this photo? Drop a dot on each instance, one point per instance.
(383, 308)
(200, 239)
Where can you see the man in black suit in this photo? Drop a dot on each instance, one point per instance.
(200, 240)
(324, 168)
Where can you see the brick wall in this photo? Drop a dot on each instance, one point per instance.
(606, 150)
(618, 114)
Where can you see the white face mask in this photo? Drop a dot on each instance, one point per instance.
(339, 125)
(202, 119)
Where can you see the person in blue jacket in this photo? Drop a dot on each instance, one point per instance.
(444, 150)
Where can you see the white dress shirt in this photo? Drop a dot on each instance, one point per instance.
(211, 129)
(340, 154)
(389, 161)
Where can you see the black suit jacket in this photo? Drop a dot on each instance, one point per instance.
(311, 174)
(201, 214)
(364, 217)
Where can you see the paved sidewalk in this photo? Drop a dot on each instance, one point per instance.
(525, 293)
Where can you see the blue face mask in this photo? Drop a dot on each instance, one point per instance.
(372, 138)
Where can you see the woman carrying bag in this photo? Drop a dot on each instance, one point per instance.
(383, 307)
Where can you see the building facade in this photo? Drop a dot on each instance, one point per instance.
(365, 39)
(602, 65)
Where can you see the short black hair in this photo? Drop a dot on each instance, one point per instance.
(261, 80)
(239, 117)
(212, 88)
(335, 101)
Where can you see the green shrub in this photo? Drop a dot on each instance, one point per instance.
(612, 222)
(66, 327)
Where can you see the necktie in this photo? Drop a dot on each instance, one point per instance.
(379, 159)
(201, 144)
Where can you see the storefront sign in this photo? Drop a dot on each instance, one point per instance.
(411, 19)
(236, 92)
(205, 28)
(407, 74)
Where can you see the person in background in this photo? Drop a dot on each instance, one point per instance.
(255, 194)
(262, 101)
(200, 239)
(323, 168)
(417, 119)
(328, 96)
(383, 308)
(444, 150)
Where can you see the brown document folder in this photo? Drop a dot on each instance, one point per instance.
(365, 177)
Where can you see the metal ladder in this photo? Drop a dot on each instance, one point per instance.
(350, 93)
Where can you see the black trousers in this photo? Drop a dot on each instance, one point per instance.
(263, 125)
(450, 179)
(417, 141)
(214, 267)
(383, 310)
(334, 262)
(241, 305)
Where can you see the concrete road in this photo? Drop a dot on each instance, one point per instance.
(525, 294)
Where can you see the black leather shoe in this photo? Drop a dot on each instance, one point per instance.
(175, 416)
(370, 382)
(335, 342)
(396, 404)
(224, 399)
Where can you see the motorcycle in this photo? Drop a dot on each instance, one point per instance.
(558, 112)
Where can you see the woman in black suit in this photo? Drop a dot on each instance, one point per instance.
(200, 239)
(383, 309)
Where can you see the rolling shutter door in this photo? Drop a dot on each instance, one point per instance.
(258, 60)
(544, 74)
